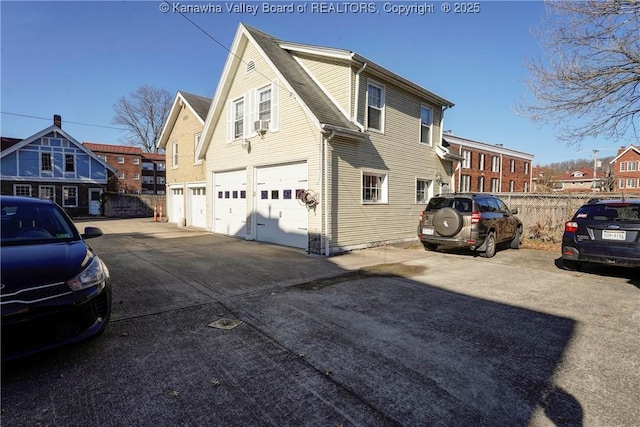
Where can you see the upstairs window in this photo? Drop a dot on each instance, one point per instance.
(264, 103)
(174, 157)
(121, 159)
(426, 122)
(495, 164)
(136, 160)
(512, 165)
(466, 159)
(196, 142)
(69, 163)
(375, 107)
(45, 162)
(238, 118)
(623, 166)
(481, 162)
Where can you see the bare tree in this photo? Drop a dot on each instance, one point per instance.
(143, 114)
(587, 83)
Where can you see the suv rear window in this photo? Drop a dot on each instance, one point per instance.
(609, 212)
(460, 204)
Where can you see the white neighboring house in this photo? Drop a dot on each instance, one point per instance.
(186, 183)
(319, 148)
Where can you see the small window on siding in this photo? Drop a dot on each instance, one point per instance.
(375, 107)
(374, 188)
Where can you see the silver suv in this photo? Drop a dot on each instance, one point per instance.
(479, 222)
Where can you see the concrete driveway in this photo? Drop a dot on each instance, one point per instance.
(387, 336)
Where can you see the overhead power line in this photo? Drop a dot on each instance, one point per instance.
(49, 119)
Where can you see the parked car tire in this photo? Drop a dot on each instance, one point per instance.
(571, 265)
(490, 244)
(515, 243)
(430, 246)
(447, 222)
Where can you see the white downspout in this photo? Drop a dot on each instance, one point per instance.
(327, 249)
(357, 100)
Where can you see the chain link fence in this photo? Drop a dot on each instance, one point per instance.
(544, 215)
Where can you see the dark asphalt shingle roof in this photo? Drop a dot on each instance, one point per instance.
(199, 103)
(318, 102)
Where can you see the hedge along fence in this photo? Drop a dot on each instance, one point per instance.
(543, 215)
(131, 205)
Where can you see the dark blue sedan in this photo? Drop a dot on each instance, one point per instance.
(603, 232)
(55, 290)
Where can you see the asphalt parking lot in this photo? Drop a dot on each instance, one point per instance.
(210, 330)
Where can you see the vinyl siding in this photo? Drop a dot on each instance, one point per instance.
(297, 139)
(333, 76)
(397, 153)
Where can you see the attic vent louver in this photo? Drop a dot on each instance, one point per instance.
(251, 66)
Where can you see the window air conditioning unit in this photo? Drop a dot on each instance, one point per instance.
(261, 126)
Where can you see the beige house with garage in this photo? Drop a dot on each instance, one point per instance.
(185, 176)
(319, 148)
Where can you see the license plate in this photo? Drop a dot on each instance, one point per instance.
(614, 235)
(427, 231)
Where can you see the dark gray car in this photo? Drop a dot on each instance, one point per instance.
(479, 222)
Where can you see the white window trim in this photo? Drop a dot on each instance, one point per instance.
(465, 183)
(466, 161)
(64, 205)
(136, 160)
(429, 192)
(75, 165)
(196, 142)
(174, 154)
(48, 187)
(481, 161)
(384, 188)
(120, 160)
(23, 186)
(430, 126)
(383, 95)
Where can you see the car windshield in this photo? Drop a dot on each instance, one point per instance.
(460, 204)
(27, 223)
(610, 212)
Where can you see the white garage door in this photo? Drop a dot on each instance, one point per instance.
(176, 212)
(280, 218)
(230, 203)
(197, 207)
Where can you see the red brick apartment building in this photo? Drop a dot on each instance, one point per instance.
(626, 169)
(137, 172)
(490, 168)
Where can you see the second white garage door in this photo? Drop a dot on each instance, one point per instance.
(279, 217)
(197, 207)
(230, 203)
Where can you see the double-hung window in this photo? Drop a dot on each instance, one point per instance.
(512, 165)
(375, 107)
(426, 123)
(69, 197)
(495, 164)
(465, 183)
(481, 162)
(238, 118)
(196, 142)
(423, 186)
(374, 188)
(174, 148)
(264, 103)
(466, 159)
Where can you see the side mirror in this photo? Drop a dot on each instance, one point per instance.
(91, 232)
(514, 211)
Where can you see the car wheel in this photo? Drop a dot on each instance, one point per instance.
(571, 265)
(515, 243)
(430, 246)
(447, 222)
(490, 245)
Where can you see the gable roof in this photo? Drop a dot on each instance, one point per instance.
(631, 147)
(8, 142)
(199, 106)
(281, 56)
(587, 175)
(57, 131)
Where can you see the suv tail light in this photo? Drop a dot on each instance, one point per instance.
(421, 215)
(571, 227)
(475, 217)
